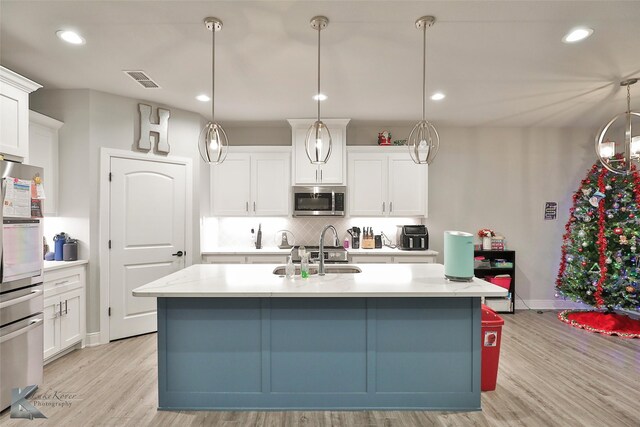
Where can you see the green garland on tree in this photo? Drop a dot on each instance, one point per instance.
(600, 263)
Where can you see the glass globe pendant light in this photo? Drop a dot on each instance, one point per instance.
(213, 143)
(620, 163)
(424, 140)
(318, 141)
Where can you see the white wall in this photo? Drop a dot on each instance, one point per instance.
(94, 120)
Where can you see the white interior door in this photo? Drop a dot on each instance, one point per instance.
(147, 232)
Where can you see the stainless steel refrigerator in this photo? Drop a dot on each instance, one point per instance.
(21, 289)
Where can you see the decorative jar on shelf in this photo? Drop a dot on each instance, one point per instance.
(486, 243)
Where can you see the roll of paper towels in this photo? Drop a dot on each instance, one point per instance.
(458, 256)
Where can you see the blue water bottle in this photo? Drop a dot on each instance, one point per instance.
(59, 240)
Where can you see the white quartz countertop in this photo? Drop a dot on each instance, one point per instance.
(55, 265)
(258, 280)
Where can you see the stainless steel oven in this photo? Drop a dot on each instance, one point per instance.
(319, 201)
(21, 288)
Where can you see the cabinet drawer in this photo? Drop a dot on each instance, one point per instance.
(267, 259)
(67, 278)
(414, 259)
(223, 259)
(371, 259)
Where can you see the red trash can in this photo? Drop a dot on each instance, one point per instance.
(491, 338)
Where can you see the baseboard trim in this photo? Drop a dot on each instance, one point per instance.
(92, 339)
(551, 304)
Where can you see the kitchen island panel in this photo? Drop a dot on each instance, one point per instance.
(211, 345)
(426, 345)
(319, 345)
(319, 353)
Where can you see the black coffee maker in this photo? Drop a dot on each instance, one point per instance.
(412, 237)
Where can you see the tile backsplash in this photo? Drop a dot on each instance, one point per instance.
(236, 232)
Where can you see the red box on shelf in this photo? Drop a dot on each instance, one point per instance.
(502, 281)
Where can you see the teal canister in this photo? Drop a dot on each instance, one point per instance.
(458, 256)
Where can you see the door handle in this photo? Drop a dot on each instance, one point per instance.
(316, 175)
(320, 175)
(390, 207)
(247, 207)
(178, 254)
(60, 306)
(66, 309)
(254, 206)
(382, 207)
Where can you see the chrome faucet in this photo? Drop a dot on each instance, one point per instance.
(321, 254)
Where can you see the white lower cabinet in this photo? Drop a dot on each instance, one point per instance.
(64, 310)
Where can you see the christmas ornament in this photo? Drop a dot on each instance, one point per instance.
(623, 240)
(595, 199)
(631, 289)
(618, 230)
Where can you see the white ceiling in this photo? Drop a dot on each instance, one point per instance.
(500, 63)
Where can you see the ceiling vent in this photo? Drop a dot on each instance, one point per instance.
(142, 79)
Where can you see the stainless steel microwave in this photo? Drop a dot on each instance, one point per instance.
(318, 201)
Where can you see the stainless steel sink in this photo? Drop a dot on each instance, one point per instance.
(329, 269)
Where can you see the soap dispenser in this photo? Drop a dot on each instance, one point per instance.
(290, 269)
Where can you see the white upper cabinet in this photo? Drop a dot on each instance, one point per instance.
(334, 172)
(231, 185)
(270, 184)
(384, 181)
(14, 114)
(43, 152)
(252, 181)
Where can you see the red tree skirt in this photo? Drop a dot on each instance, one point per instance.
(603, 323)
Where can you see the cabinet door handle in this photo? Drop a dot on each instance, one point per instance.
(254, 206)
(60, 309)
(61, 282)
(66, 309)
(247, 207)
(320, 175)
(316, 175)
(390, 207)
(382, 207)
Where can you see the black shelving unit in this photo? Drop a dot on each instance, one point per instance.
(509, 256)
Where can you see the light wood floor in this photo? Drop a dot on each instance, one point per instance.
(550, 375)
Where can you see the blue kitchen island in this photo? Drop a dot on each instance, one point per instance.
(238, 337)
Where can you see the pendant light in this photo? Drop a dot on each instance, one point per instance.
(424, 140)
(318, 141)
(620, 162)
(213, 143)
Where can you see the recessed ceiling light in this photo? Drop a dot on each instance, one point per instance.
(319, 97)
(577, 34)
(438, 96)
(70, 36)
(203, 98)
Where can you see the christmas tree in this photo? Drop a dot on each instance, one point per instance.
(600, 263)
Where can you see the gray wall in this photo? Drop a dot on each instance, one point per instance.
(500, 178)
(94, 120)
(490, 177)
